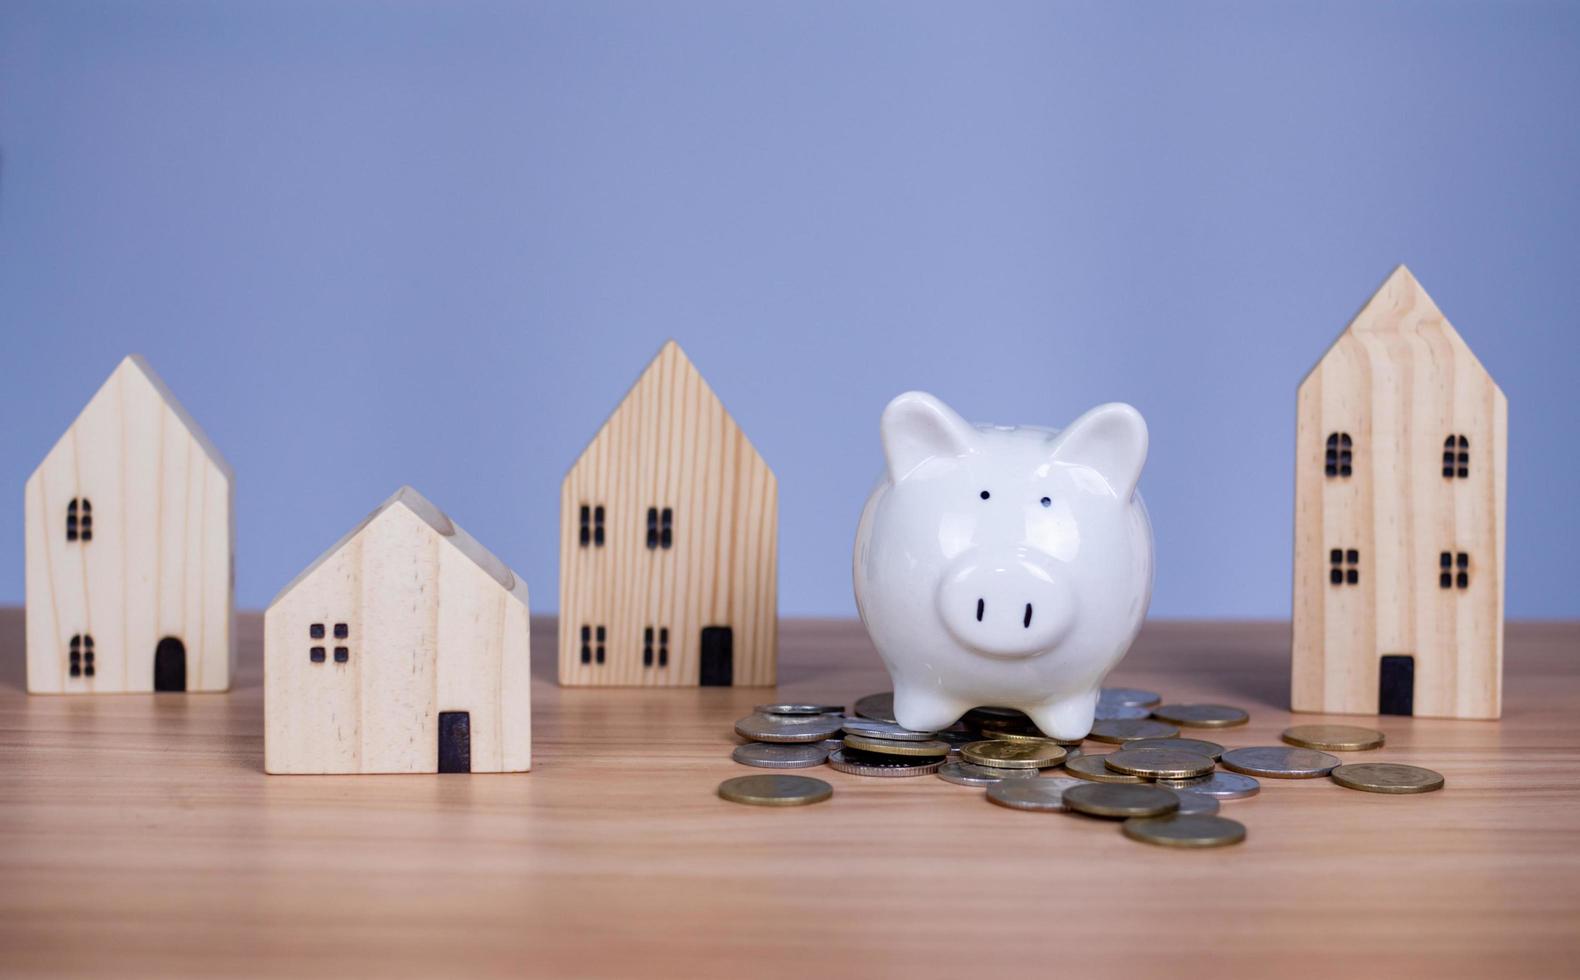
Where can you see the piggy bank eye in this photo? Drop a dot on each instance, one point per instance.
(986, 495)
(1047, 501)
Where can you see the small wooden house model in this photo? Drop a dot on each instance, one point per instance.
(1400, 495)
(130, 543)
(403, 648)
(669, 543)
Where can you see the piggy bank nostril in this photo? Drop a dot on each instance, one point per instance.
(981, 606)
(1026, 622)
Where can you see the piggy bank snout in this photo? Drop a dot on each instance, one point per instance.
(1007, 605)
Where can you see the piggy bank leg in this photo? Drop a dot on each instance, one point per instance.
(1067, 718)
(922, 710)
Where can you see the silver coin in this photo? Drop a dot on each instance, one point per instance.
(878, 707)
(1110, 711)
(771, 755)
(1044, 793)
(800, 709)
(1196, 803)
(1129, 695)
(788, 728)
(1211, 750)
(1219, 786)
(885, 729)
(1129, 730)
(967, 774)
(867, 764)
(1280, 762)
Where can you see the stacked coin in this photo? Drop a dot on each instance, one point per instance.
(1166, 788)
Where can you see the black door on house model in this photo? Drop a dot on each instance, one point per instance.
(455, 741)
(717, 668)
(1396, 685)
(170, 665)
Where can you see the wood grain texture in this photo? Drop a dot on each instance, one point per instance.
(160, 560)
(140, 837)
(404, 619)
(670, 444)
(1399, 382)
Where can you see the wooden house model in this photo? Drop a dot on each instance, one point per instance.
(1401, 448)
(669, 544)
(403, 648)
(130, 549)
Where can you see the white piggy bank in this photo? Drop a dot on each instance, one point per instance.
(1006, 566)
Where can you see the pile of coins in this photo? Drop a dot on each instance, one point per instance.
(1167, 788)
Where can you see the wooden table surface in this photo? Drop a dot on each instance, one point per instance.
(139, 836)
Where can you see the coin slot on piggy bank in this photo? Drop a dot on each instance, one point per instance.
(1004, 565)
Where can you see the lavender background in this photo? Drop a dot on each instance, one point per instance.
(378, 243)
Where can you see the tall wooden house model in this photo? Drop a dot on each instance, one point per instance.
(131, 540)
(403, 648)
(669, 544)
(1400, 500)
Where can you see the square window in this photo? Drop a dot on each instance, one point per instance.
(1463, 580)
(1336, 556)
(1336, 577)
(1463, 560)
(1445, 559)
(316, 655)
(316, 631)
(342, 654)
(1352, 576)
(1352, 556)
(342, 631)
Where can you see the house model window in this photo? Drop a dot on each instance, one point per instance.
(662, 649)
(1344, 566)
(660, 527)
(81, 655)
(1456, 457)
(79, 520)
(1339, 458)
(316, 653)
(1453, 570)
(590, 652)
(590, 531)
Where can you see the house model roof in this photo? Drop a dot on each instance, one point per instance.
(1401, 307)
(441, 524)
(135, 369)
(670, 370)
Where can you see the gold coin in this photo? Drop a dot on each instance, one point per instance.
(1201, 715)
(1333, 738)
(1014, 755)
(1109, 800)
(1129, 730)
(1093, 768)
(890, 746)
(775, 790)
(1007, 736)
(1387, 777)
(1185, 830)
(1211, 750)
(1158, 763)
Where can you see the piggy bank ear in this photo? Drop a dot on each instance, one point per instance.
(917, 427)
(1111, 439)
